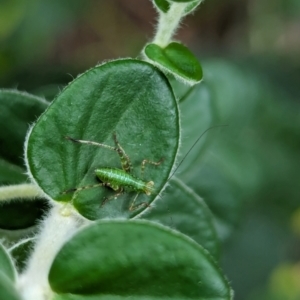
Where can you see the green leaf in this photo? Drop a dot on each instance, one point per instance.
(197, 116)
(182, 1)
(177, 60)
(128, 97)
(21, 214)
(221, 196)
(118, 258)
(7, 289)
(182, 209)
(202, 169)
(192, 6)
(6, 264)
(17, 111)
(10, 173)
(164, 5)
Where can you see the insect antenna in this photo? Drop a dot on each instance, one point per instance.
(195, 143)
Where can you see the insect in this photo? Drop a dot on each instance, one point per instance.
(119, 180)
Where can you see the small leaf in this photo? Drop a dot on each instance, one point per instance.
(17, 111)
(164, 5)
(128, 97)
(118, 258)
(192, 6)
(181, 1)
(182, 209)
(177, 60)
(6, 264)
(7, 289)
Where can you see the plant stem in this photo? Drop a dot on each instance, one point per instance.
(168, 24)
(19, 191)
(56, 229)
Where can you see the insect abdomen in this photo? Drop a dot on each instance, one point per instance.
(119, 179)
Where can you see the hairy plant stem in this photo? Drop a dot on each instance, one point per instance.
(19, 191)
(168, 24)
(57, 228)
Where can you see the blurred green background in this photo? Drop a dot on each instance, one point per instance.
(250, 50)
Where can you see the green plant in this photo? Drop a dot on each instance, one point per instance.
(85, 250)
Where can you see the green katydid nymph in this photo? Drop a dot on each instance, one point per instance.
(119, 180)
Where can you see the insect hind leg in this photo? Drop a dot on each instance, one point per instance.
(115, 196)
(83, 188)
(145, 161)
(134, 206)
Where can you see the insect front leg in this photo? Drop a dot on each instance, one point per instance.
(125, 161)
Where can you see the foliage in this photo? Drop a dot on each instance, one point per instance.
(234, 193)
(83, 250)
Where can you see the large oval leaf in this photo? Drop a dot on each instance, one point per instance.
(128, 97)
(165, 266)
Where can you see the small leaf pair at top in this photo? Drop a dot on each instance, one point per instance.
(177, 60)
(164, 5)
(7, 277)
(128, 98)
(149, 262)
